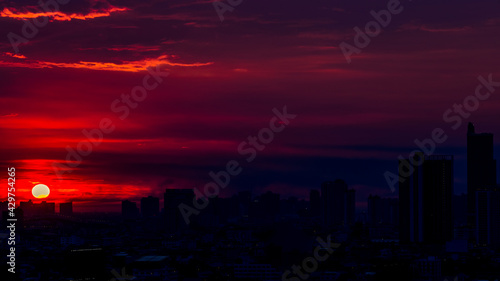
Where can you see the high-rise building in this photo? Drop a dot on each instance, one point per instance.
(172, 199)
(350, 207)
(315, 203)
(265, 207)
(338, 203)
(374, 209)
(27, 207)
(66, 208)
(425, 199)
(244, 202)
(481, 167)
(271, 202)
(488, 216)
(33, 209)
(150, 206)
(129, 209)
(4, 205)
(47, 207)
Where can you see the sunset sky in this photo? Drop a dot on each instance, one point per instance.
(225, 78)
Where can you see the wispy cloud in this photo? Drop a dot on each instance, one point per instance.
(127, 66)
(427, 28)
(9, 115)
(132, 47)
(19, 56)
(35, 12)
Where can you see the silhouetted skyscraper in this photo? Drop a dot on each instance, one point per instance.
(34, 209)
(425, 200)
(289, 206)
(265, 207)
(315, 203)
(4, 205)
(374, 209)
(244, 202)
(481, 167)
(129, 209)
(66, 208)
(270, 202)
(47, 207)
(338, 203)
(351, 206)
(150, 206)
(27, 207)
(172, 198)
(488, 217)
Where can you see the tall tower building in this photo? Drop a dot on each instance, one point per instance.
(315, 203)
(338, 203)
(265, 207)
(150, 206)
(172, 199)
(374, 209)
(425, 199)
(350, 206)
(129, 209)
(481, 167)
(66, 208)
(488, 216)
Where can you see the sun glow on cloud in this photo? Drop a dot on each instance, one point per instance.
(58, 15)
(127, 66)
(15, 55)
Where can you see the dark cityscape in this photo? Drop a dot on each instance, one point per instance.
(423, 234)
(238, 140)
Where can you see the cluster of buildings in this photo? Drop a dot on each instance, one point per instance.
(334, 207)
(424, 234)
(426, 197)
(31, 209)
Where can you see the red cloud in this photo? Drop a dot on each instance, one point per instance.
(10, 115)
(58, 15)
(127, 66)
(15, 55)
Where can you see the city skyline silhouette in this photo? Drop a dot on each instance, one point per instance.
(236, 140)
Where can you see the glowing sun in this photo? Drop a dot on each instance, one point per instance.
(40, 191)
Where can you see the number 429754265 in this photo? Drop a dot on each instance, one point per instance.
(11, 188)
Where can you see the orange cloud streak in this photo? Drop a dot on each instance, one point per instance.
(127, 66)
(16, 55)
(58, 15)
